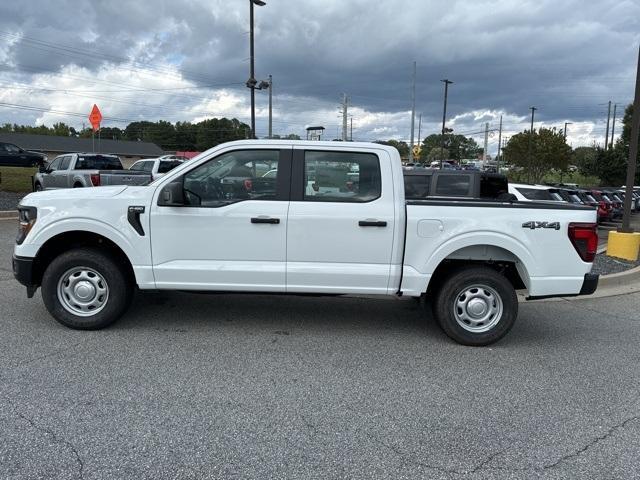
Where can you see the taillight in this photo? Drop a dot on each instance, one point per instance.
(584, 237)
(95, 179)
(248, 185)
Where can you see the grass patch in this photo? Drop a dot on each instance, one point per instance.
(16, 179)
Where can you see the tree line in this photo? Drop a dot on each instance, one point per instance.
(181, 136)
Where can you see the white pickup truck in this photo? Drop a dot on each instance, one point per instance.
(330, 218)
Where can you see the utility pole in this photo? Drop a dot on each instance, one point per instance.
(529, 154)
(613, 125)
(270, 106)
(351, 129)
(345, 101)
(565, 130)
(419, 131)
(251, 83)
(413, 111)
(499, 145)
(446, 82)
(486, 143)
(633, 155)
(606, 135)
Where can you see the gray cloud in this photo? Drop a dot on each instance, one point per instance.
(567, 58)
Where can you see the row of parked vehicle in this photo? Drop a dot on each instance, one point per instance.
(608, 200)
(76, 170)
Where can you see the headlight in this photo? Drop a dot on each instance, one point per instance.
(27, 218)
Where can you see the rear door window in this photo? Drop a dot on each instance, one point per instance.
(341, 177)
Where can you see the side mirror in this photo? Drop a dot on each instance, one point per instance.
(172, 194)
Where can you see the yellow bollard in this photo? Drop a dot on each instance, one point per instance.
(623, 245)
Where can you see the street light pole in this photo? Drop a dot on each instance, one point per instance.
(533, 112)
(251, 83)
(270, 106)
(446, 82)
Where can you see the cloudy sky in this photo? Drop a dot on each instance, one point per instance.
(185, 60)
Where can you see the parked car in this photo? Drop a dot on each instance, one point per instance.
(89, 249)
(173, 157)
(537, 193)
(604, 202)
(13, 156)
(570, 196)
(604, 213)
(86, 170)
(157, 167)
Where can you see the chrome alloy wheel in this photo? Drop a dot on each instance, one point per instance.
(82, 291)
(477, 308)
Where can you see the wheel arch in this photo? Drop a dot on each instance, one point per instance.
(65, 241)
(507, 257)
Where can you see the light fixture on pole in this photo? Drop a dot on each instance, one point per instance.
(252, 82)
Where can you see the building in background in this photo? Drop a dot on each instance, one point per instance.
(52, 146)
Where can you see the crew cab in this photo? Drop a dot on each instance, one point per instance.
(218, 224)
(75, 170)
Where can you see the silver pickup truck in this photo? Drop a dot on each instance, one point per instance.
(76, 170)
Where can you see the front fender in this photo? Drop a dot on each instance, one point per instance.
(98, 227)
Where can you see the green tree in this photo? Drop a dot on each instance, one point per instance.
(548, 151)
(585, 159)
(437, 153)
(458, 147)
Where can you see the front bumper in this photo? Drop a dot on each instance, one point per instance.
(589, 285)
(23, 271)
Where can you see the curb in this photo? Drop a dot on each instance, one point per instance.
(6, 214)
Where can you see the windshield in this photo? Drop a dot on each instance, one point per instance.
(98, 162)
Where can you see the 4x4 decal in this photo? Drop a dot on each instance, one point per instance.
(533, 225)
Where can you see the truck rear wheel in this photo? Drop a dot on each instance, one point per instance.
(86, 289)
(476, 306)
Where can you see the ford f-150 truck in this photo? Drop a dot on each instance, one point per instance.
(329, 218)
(75, 170)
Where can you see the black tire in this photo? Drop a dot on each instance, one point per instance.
(37, 187)
(119, 292)
(460, 288)
(77, 185)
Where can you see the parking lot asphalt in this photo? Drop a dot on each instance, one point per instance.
(256, 386)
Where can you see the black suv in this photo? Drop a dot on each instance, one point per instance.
(13, 156)
(420, 184)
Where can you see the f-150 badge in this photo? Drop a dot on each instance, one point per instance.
(534, 225)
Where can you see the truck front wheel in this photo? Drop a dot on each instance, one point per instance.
(476, 306)
(86, 289)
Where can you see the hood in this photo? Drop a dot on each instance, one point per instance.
(73, 194)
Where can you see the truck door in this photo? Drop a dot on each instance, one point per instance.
(49, 177)
(60, 178)
(341, 221)
(230, 234)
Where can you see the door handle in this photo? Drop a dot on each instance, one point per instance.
(372, 223)
(265, 220)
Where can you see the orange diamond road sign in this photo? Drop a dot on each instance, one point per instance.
(95, 117)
